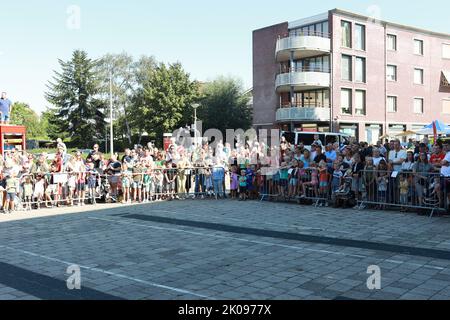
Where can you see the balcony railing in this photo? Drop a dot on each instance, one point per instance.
(304, 105)
(303, 114)
(299, 33)
(304, 69)
(303, 80)
(302, 45)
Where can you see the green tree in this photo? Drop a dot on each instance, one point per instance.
(22, 114)
(75, 94)
(161, 104)
(127, 76)
(52, 124)
(224, 105)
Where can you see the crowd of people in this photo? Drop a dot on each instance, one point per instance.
(378, 175)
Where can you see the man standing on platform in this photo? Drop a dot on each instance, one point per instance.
(5, 108)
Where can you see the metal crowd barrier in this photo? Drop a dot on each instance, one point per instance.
(404, 190)
(372, 188)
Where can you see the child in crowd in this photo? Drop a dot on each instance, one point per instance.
(404, 189)
(250, 174)
(242, 186)
(234, 182)
(12, 188)
(72, 186)
(337, 176)
(323, 182)
(147, 186)
(39, 190)
(126, 183)
(313, 182)
(382, 183)
(138, 176)
(284, 175)
(293, 179)
(91, 178)
(170, 175)
(158, 179)
(27, 191)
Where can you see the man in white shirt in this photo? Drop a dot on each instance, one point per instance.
(397, 156)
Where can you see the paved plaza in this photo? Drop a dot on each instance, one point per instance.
(206, 249)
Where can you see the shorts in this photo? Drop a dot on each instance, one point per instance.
(92, 184)
(148, 187)
(137, 185)
(170, 186)
(293, 182)
(5, 117)
(283, 182)
(81, 186)
(10, 196)
(52, 189)
(242, 189)
(125, 183)
(323, 184)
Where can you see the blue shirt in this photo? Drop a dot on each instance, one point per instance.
(4, 106)
(331, 155)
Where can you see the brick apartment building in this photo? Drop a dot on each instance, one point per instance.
(344, 72)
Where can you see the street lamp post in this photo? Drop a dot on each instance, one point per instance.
(195, 106)
(111, 129)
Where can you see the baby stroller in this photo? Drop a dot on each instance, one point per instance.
(344, 197)
(104, 189)
(431, 198)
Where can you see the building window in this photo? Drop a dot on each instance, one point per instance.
(360, 102)
(418, 47)
(418, 105)
(392, 73)
(392, 104)
(418, 76)
(446, 106)
(392, 42)
(360, 69)
(346, 30)
(346, 66)
(360, 37)
(446, 51)
(346, 101)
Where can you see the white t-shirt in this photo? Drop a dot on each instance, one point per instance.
(395, 156)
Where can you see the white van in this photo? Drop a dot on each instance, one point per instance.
(307, 138)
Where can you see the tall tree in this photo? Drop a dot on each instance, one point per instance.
(160, 105)
(224, 105)
(52, 125)
(22, 114)
(75, 92)
(127, 76)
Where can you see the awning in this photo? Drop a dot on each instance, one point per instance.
(446, 78)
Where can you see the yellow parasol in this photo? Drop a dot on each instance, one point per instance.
(406, 133)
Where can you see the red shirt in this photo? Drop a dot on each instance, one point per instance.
(436, 159)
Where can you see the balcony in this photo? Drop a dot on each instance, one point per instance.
(309, 113)
(303, 45)
(303, 79)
